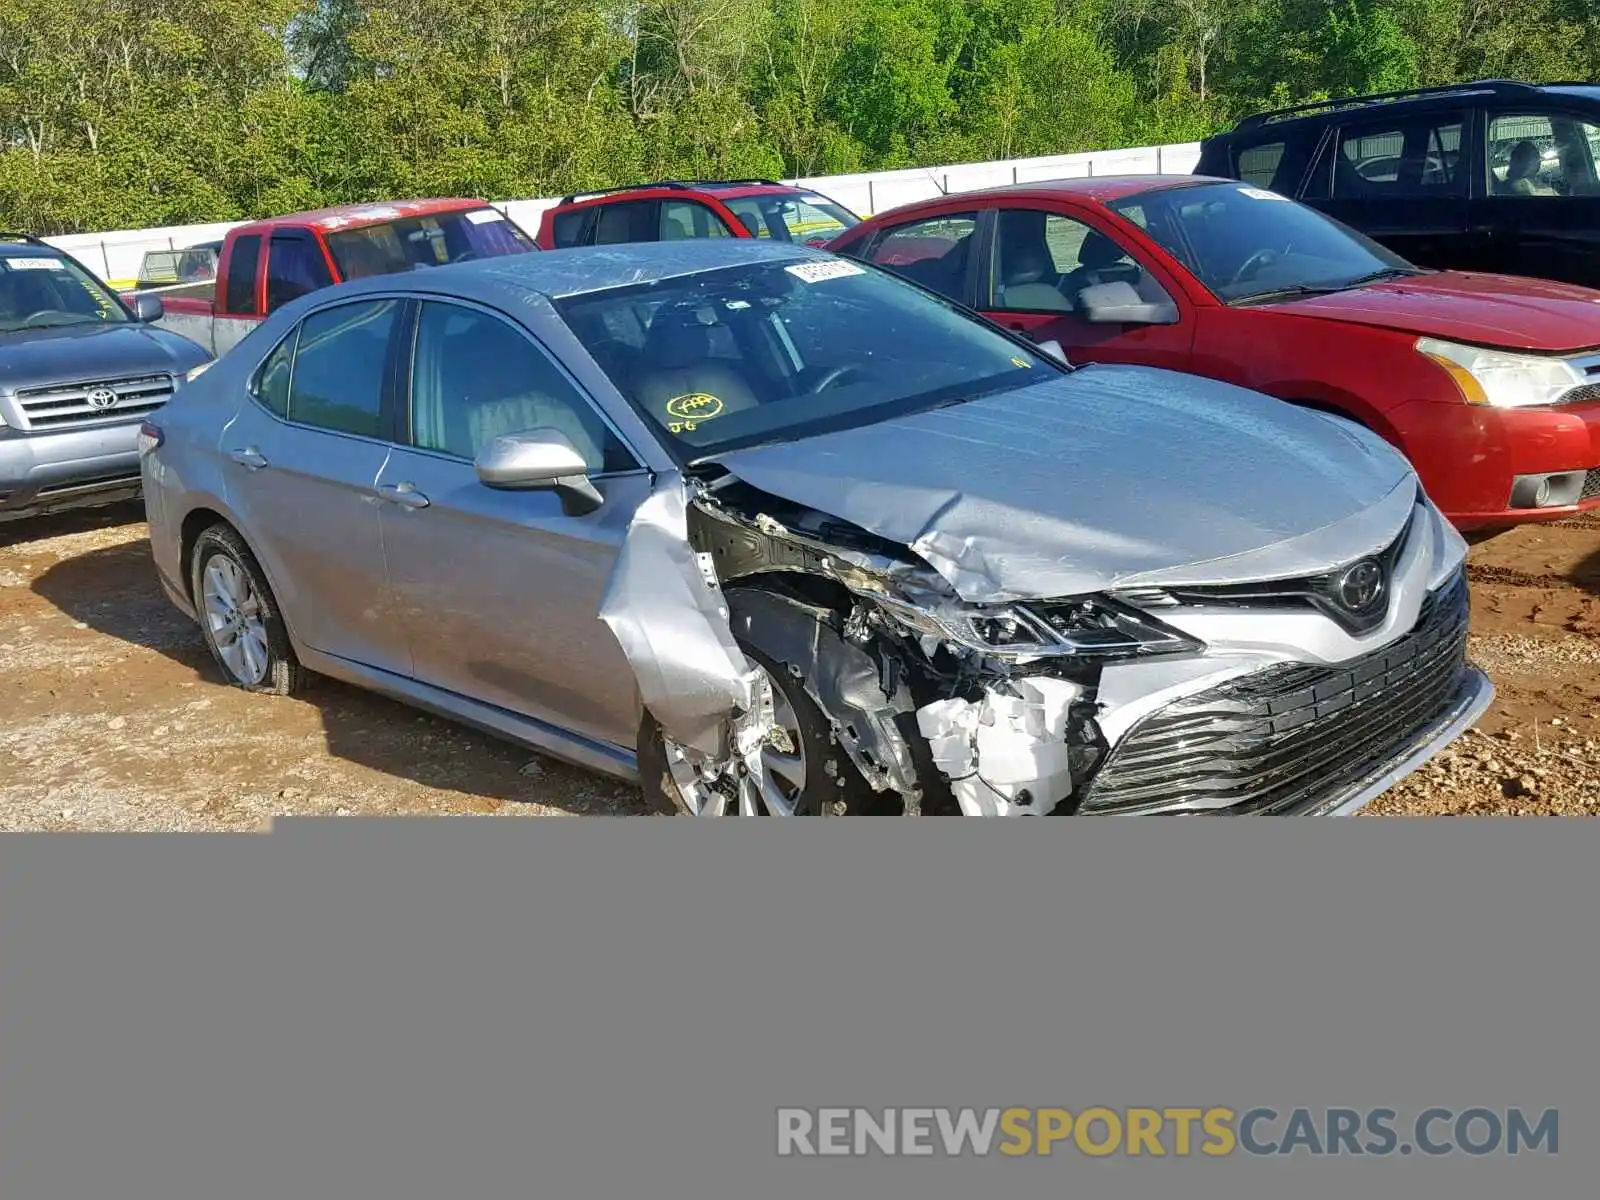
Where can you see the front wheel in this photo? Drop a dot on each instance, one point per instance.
(239, 616)
(797, 769)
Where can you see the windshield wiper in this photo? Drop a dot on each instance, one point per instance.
(1385, 273)
(1285, 293)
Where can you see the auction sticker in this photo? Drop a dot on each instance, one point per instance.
(1260, 194)
(483, 216)
(816, 272)
(34, 264)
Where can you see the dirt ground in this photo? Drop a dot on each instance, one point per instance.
(112, 716)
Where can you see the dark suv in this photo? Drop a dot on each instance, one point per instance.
(1493, 175)
(695, 208)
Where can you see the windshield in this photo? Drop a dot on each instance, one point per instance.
(42, 291)
(801, 217)
(430, 241)
(1245, 243)
(776, 351)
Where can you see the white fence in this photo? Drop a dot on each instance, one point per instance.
(116, 256)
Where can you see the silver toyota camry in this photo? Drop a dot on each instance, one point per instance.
(774, 532)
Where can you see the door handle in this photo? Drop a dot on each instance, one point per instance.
(248, 457)
(403, 494)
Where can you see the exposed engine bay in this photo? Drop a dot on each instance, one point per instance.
(940, 703)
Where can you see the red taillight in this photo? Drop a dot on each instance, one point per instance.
(150, 437)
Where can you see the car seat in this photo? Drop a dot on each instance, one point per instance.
(1027, 280)
(1523, 170)
(679, 363)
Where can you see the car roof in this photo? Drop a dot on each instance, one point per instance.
(1100, 189)
(361, 216)
(27, 246)
(722, 189)
(556, 274)
(1415, 98)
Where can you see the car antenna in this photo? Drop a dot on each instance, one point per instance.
(944, 189)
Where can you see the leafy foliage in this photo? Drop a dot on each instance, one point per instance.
(122, 113)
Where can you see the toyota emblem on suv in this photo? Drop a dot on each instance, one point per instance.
(1362, 586)
(101, 398)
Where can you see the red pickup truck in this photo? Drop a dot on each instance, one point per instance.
(265, 264)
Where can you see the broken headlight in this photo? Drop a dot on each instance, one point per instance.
(1087, 627)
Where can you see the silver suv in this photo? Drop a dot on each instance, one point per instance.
(776, 532)
(78, 370)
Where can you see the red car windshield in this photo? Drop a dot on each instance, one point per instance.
(430, 241)
(793, 217)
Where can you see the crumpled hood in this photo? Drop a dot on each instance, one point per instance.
(1110, 476)
(1492, 310)
(39, 357)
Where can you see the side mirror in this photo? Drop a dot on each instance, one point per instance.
(539, 460)
(146, 308)
(1052, 349)
(1119, 304)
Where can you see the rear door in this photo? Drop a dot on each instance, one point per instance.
(1537, 211)
(1040, 262)
(627, 221)
(302, 459)
(685, 219)
(1402, 179)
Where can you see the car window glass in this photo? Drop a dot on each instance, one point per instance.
(427, 241)
(44, 290)
(634, 221)
(1258, 164)
(795, 218)
(295, 266)
(681, 219)
(475, 378)
(932, 252)
(243, 271)
(271, 383)
(1043, 261)
(567, 228)
(1416, 158)
(339, 367)
(1535, 155)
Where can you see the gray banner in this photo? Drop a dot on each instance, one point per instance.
(477, 1008)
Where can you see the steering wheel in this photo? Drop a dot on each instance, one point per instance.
(1261, 258)
(831, 377)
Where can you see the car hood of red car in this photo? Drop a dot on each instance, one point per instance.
(1489, 310)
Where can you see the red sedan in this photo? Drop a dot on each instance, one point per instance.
(1490, 384)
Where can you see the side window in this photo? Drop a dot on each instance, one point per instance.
(339, 367)
(1419, 158)
(932, 252)
(243, 271)
(682, 219)
(295, 266)
(1541, 155)
(632, 221)
(1259, 164)
(567, 228)
(271, 383)
(1042, 261)
(475, 377)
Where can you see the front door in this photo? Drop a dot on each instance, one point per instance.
(303, 457)
(1044, 269)
(500, 590)
(1538, 211)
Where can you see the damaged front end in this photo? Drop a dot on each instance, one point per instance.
(939, 704)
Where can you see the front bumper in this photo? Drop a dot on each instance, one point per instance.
(51, 472)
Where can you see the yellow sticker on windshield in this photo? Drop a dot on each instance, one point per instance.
(1020, 362)
(686, 412)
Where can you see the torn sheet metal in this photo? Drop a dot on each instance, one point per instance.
(664, 605)
(843, 679)
(1110, 476)
(1007, 754)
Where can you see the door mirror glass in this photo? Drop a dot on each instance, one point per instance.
(1119, 304)
(147, 308)
(536, 460)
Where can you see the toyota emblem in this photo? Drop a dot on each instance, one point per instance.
(101, 398)
(1362, 586)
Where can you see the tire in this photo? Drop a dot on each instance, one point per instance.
(262, 658)
(832, 786)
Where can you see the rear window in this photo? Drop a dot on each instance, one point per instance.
(567, 228)
(432, 241)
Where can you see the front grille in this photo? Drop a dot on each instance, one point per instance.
(68, 404)
(1591, 485)
(1278, 738)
